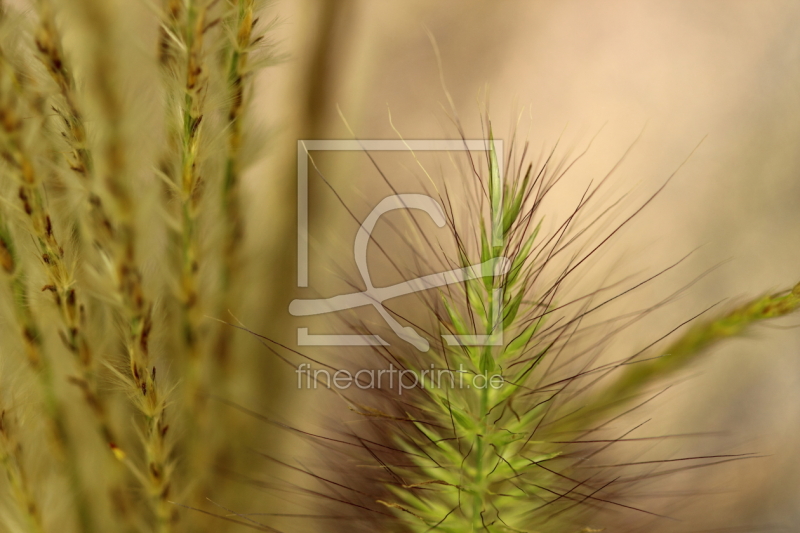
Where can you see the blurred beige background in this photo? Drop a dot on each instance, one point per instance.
(726, 73)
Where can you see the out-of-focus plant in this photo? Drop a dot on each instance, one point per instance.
(107, 336)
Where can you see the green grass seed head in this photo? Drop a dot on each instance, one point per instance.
(440, 452)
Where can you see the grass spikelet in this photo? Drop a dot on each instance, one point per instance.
(496, 426)
(187, 75)
(115, 237)
(30, 337)
(17, 151)
(192, 114)
(40, 364)
(245, 51)
(185, 48)
(71, 161)
(48, 46)
(112, 233)
(208, 53)
(242, 42)
(698, 339)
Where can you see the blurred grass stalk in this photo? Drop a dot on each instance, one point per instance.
(72, 142)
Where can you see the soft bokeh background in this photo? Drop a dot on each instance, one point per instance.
(719, 76)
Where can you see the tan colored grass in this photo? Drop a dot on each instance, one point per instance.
(16, 149)
(13, 460)
(113, 231)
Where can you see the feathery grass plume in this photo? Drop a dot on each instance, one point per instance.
(699, 338)
(113, 232)
(494, 428)
(20, 153)
(41, 366)
(208, 53)
(241, 25)
(104, 181)
(69, 154)
(187, 40)
(247, 52)
(189, 24)
(183, 59)
(39, 362)
(17, 150)
(48, 46)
